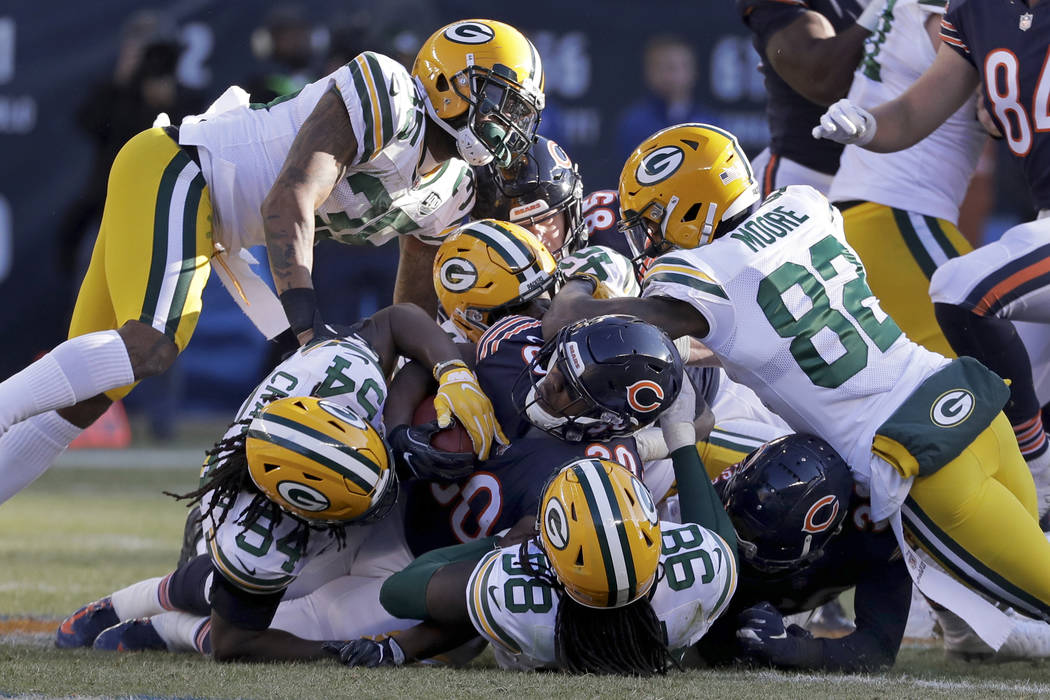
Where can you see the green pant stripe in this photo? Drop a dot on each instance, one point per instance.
(159, 259)
(189, 254)
(949, 249)
(911, 239)
(950, 553)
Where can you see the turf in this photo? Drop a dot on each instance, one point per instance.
(78, 534)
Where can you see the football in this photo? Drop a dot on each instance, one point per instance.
(452, 439)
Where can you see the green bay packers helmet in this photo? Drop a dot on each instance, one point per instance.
(320, 461)
(680, 184)
(487, 267)
(484, 85)
(599, 528)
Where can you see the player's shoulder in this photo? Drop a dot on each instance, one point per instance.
(696, 268)
(507, 333)
(383, 100)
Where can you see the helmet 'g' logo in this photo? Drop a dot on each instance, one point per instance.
(811, 525)
(458, 274)
(555, 524)
(645, 500)
(303, 497)
(659, 165)
(952, 407)
(470, 33)
(645, 395)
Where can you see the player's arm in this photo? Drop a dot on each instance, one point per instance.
(815, 61)
(415, 274)
(575, 301)
(882, 604)
(240, 627)
(315, 164)
(406, 329)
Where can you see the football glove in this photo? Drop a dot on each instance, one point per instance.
(417, 459)
(460, 395)
(846, 123)
(612, 270)
(676, 422)
(369, 653)
(763, 638)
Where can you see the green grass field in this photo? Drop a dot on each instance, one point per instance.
(79, 533)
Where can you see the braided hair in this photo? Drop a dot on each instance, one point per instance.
(626, 641)
(228, 476)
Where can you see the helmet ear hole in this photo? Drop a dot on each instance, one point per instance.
(441, 83)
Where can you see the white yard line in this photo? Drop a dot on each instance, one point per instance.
(132, 458)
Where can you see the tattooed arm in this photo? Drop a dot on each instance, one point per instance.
(315, 163)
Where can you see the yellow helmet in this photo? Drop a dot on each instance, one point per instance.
(679, 184)
(599, 528)
(320, 461)
(484, 85)
(486, 267)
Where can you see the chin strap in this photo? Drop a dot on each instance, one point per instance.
(468, 145)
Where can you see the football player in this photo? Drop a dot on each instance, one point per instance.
(275, 478)
(583, 593)
(774, 290)
(977, 296)
(366, 154)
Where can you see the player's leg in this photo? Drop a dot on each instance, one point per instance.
(977, 296)
(157, 210)
(978, 529)
(901, 250)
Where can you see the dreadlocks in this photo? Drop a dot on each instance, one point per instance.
(228, 476)
(625, 641)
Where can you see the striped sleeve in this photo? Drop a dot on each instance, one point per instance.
(671, 270)
(376, 99)
(953, 37)
(484, 604)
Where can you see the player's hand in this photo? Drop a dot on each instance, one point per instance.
(417, 459)
(460, 395)
(845, 122)
(676, 422)
(612, 270)
(369, 653)
(763, 637)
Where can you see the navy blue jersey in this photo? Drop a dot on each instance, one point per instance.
(864, 554)
(1009, 45)
(505, 489)
(791, 116)
(601, 216)
(503, 352)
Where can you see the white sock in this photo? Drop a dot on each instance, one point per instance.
(181, 631)
(140, 599)
(75, 370)
(29, 448)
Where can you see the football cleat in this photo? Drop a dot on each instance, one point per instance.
(131, 635)
(82, 627)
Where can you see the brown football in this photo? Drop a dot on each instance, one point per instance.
(452, 439)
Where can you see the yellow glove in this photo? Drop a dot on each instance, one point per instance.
(460, 395)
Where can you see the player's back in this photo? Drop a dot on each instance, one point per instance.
(792, 318)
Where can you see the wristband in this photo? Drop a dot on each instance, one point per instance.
(300, 306)
(442, 367)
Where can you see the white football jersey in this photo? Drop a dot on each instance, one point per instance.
(792, 317)
(392, 188)
(929, 178)
(264, 557)
(516, 611)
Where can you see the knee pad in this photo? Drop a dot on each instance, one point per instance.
(189, 586)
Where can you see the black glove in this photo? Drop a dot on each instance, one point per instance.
(416, 459)
(369, 653)
(763, 637)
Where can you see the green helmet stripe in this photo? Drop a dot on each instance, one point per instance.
(608, 525)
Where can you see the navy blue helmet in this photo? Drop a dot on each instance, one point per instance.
(600, 378)
(533, 188)
(787, 499)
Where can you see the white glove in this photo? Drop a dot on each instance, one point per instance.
(845, 122)
(676, 422)
(609, 267)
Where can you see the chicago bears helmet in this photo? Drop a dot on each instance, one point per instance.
(787, 499)
(320, 462)
(486, 268)
(600, 378)
(599, 528)
(680, 184)
(534, 188)
(484, 85)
